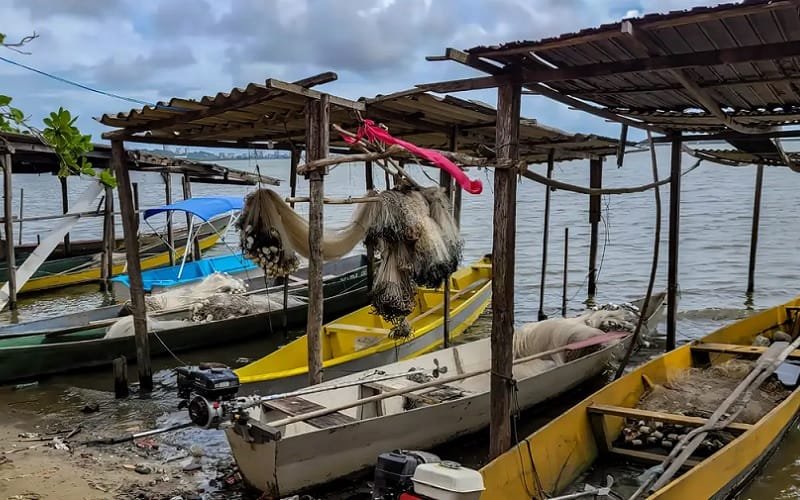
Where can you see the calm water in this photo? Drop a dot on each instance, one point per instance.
(715, 235)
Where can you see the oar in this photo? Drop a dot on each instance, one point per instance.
(599, 339)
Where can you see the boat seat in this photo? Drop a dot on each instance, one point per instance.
(430, 396)
(671, 418)
(343, 327)
(294, 405)
(743, 351)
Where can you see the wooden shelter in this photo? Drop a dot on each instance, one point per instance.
(729, 71)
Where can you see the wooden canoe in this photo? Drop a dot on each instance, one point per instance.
(75, 270)
(72, 342)
(360, 340)
(587, 434)
(314, 451)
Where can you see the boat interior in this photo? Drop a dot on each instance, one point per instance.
(360, 332)
(636, 422)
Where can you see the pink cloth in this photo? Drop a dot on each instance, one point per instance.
(373, 132)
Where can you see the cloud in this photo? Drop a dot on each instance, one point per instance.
(190, 48)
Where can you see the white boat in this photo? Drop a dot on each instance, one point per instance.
(280, 449)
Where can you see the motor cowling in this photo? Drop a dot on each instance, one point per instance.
(394, 470)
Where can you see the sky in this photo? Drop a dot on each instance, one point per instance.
(153, 50)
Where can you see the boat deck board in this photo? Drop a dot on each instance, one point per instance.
(295, 405)
(670, 418)
(744, 351)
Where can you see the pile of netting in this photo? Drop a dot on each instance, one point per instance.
(412, 229)
(213, 284)
(419, 244)
(226, 306)
(272, 234)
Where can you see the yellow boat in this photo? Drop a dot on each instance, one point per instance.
(89, 270)
(360, 340)
(551, 460)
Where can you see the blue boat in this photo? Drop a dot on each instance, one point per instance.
(186, 273)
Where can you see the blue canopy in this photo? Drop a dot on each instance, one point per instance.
(205, 208)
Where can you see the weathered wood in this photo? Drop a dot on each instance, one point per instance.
(457, 204)
(9, 228)
(134, 266)
(566, 274)
(370, 186)
(674, 233)
(64, 210)
(317, 143)
(545, 234)
(335, 201)
(670, 418)
(186, 186)
(595, 182)
(751, 269)
(645, 456)
(170, 230)
(135, 186)
(21, 213)
(503, 247)
(107, 266)
(623, 142)
(293, 162)
(120, 366)
(741, 351)
(295, 405)
(446, 182)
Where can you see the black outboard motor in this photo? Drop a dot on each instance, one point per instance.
(202, 388)
(394, 471)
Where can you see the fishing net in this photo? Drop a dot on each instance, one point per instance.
(226, 306)
(212, 284)
(698, 392)
(123, 327)
(272, 234)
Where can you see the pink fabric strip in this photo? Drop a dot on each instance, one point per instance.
(372, 132)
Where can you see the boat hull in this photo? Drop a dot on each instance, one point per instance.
(24, 362)
(287, 466)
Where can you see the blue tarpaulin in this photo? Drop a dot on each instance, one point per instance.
(204, 208)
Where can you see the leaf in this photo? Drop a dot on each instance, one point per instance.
(4, 99)
(107, 178)
(2, 38)
(17, 114)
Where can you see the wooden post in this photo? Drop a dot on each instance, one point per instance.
(545, 233)
(595, 181)
(136, 201)
(170, 231)
(317, 145)
(566, 274)
(120, 366)
(446, 181)
(9, 227)
(457, 204)
(294, 161)
(186, 186)
(107, 270)
(134, 265)
(674, 223)
(504, 233)
(751, 270)
(21, 213)
(370, 185)
(65, 209)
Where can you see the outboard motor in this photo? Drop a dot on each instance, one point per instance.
(417, 475)
(202, 388)
(394, 471)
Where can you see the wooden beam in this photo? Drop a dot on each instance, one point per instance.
(317, 143)
(595, 182)
(674, 235)
(118, 162)
(293, 88)
(234, 102)
(669, 418)
(464, 84)
(9, 228)
(730, 134)
(503, 249)
(751, 269)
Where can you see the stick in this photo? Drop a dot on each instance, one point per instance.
(130, 437)
(327, 162)
(599, 339)
(337, 201)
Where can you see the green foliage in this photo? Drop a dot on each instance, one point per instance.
(60, 133)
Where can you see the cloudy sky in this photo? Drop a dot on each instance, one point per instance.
(153, 50)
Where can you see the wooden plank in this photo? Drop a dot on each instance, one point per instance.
(317, 144)
(9, 228)
(743, 351)
(671, 418)
(313, 94)
(646, 456)
(503, 249)
(134, 266)
(296, 405)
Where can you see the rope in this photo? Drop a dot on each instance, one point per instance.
(541, 179)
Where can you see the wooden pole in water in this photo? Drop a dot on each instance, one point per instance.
(457, 204)
(545, 234)
(751, 270)
(170, 231)
(317, 145)
(21, 213)
(107, 264)
(566, 274)
(294, 161)
(446, 181)
(674, 231)
(135, 186)
(370, 185)
(65, 209)
(9, 223)
(504, 233)
(595, 181)
(120, 366)
(186, 187)
(134, 265)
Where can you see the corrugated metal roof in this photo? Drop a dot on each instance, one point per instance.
(735, 157)
(762, 37)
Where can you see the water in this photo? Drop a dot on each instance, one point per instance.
(716, 210)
